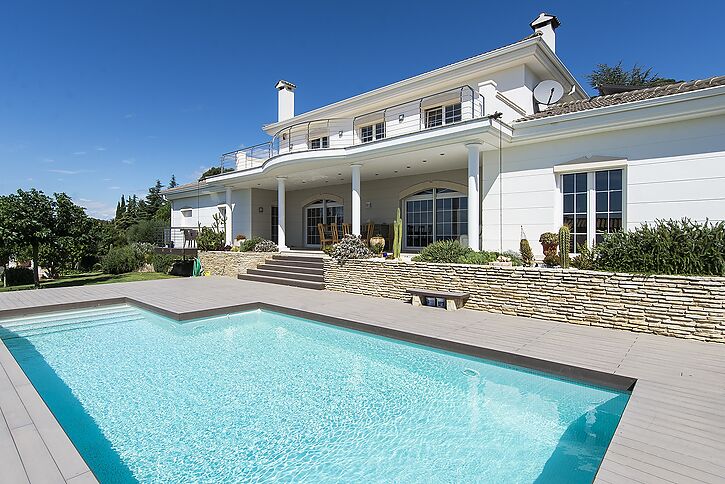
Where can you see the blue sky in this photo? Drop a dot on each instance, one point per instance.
(101, 98)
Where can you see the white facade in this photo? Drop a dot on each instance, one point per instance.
(429, 146)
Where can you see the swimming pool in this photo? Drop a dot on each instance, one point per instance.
(263, 396)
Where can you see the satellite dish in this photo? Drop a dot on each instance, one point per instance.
(548, 92)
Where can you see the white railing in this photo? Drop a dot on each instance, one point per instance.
(390, 122)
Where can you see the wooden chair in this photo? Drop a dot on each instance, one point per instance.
(369, 230)
(335, 233)
(346, 229)
(323, 236)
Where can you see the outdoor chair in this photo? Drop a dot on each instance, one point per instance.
(335, 233)
(190, 237)
(346, 229)
(369, 229)
(324, 240)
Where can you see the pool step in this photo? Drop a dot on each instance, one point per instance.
(51, 323)
(289, 270)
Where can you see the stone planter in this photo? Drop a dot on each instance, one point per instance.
(377, 240)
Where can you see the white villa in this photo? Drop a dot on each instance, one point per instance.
(471, 152)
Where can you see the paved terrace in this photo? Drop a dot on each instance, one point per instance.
(673, 429)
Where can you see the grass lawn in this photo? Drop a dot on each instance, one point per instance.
(93, 278)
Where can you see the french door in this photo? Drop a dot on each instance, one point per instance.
(321, 212)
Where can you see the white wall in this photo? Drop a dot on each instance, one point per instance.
(674, 170)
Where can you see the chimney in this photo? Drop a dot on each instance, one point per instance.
(545, 25)
(285, 100)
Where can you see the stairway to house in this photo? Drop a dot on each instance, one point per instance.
(289, 270)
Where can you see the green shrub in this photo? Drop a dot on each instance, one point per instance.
(527, 255)
(350, 247)
(18, 276)
(516, 258)
(148, 231)
(163, 262)
(551, 259)
(549, 238)
(249, 244)
(450, 251)
(210, 239)
(666, 247)
(143, 250)
(266, 246)
(585, 259)
(480, 258)
(120, 260)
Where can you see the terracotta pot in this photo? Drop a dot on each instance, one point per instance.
(377, 240)
(549, 248)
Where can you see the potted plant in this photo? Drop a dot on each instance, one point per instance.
(377, 240)
(549, 242)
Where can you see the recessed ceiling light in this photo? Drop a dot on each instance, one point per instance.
(304, 182)
(425, 161)
(377, 174)
(339, 174)
(442, 154)
(396, 171)
(408, 167)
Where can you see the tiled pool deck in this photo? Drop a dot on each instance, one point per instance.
(673, 429)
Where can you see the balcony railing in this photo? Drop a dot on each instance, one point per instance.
(445, 108)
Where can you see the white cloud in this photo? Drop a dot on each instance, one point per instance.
(68, 172)
(97, 209)
(107, 179)
(129, 115)
(114, 188)
(78, 153)
(48, 160)
(128, 161)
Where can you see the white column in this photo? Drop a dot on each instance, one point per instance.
(281, 240)
(230, 233)
(474, 197)
(356, 199)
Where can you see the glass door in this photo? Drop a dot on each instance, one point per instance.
(321, 212)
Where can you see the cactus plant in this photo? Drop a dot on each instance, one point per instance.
(397, 235)
(564, 245)
(527, 254)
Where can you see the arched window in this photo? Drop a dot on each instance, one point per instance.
(321, 212)
(435, 214)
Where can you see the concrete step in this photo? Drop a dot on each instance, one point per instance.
(263, 271)
(315, 271)
(296, 263)
(282, 281)
(298, 258)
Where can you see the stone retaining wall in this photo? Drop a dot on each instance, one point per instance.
(231, 264)
(684, 307)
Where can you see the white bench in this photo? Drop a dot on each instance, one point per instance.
(442, 299)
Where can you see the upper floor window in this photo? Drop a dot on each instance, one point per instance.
(373, 131)
(592, 205)
(318, 143)
(436, 116)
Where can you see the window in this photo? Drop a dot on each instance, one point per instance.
(321, 212)
(436, 116)
(574, 186)
(453, 113)
(376, 131)
(318, 143)
(592, 205)
(608, 205)
(435, 214)
(433, 117)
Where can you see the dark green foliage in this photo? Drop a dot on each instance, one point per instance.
(172, 182)
(515, 257)
(18, 276)
(450, 251)
(666, 247)
(549, 238)
(638, 76)
(249, 244)
(214, 170)
(149, 231)
(210, 239)
(163, 262)
(121, 259)
(551, 259)
(585, 259)
(527, 255)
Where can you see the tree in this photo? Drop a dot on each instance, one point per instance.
(637, 76)
(172, 182)
(214, 170)
(27, 222)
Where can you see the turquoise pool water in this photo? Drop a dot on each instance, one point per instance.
(260, 396)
